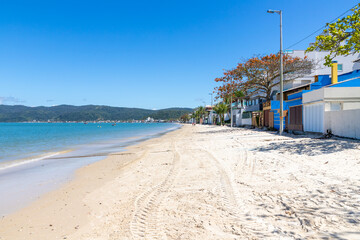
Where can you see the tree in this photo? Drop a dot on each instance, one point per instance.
(221, 109)
(262, 73)
(231, 84)
(185, 118)
(340, 38)
(259, 75)
(200, 112)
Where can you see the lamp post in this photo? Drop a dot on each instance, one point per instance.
(231, 111)
(281, 72)
(211, 109)
(231, 102)
(203, 116)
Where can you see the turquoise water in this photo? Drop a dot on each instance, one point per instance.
(38, 157)
(23, 140)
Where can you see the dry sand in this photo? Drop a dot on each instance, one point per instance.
(206, 182)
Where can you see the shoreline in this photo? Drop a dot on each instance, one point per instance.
(25, 180)
(70, 194)
(205, 182)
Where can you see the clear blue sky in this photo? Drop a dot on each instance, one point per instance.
(147, 54)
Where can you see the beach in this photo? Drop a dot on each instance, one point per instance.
(206, 182)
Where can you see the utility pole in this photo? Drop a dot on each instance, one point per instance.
(281, 73)
(231, 110)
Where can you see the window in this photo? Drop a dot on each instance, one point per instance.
(340, 67)
(335, 106)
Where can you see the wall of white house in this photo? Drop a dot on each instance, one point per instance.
(334, 95)
(246, 121)
(238, 120)
(350, 105)
(237, 117)
(346, 62)
(342, 93)
(320, 106)
(226, 116)
(211, 118)
(313, 117)
(343, 123)
(313, 96)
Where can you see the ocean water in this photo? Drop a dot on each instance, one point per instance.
(38, 157)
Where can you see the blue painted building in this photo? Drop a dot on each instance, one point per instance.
(293, 100)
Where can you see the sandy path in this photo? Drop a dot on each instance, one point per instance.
(208, 182)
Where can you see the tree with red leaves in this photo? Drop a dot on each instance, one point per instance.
(259, 75)
(263, 73)
(231, 85)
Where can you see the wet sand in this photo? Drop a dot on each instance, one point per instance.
(206, 182)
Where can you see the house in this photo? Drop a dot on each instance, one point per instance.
(335, 107)
(211, 116)
(329, 103)
(244, 109)
(346, 64)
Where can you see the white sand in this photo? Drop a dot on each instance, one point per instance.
(207, 182)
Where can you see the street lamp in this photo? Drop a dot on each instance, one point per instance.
(281, 72)
(231, 110)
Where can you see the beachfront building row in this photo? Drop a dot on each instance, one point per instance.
(328, 99)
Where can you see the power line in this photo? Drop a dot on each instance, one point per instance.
(320, 28)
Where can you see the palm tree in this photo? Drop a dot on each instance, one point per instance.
(196, 115)
(221, 109)
(200, 113)
(185, 118)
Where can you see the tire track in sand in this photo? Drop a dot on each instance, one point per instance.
(144, 224)
(232, 200)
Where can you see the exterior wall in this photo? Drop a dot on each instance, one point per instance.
(246, 121)
(342, 93)
(320, 69)
(319, 58)
(349, 75)
(313, 96)
(322, 104)
(343, 123)
(351, 105)
(237, 117)
(313, 117)
(275, 109)
(253, 108)
(211, 117)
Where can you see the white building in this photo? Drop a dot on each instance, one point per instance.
(335, 107)
(345, 64)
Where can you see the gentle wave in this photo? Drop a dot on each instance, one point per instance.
(16, 163)
(61, 154)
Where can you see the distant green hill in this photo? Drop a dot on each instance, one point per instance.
(20, 113)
